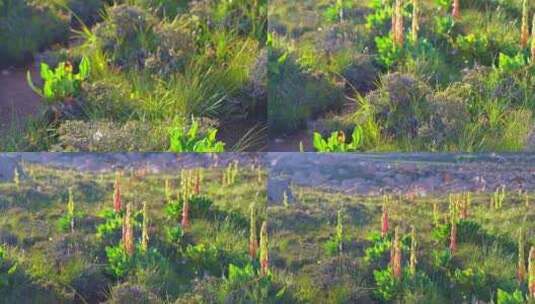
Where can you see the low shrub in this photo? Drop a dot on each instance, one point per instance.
(295, 95)
(27, 28)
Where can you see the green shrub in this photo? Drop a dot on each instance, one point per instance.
(106, 136)
(401, 105)
(203, 258)
(382, 14)
(504, 297)
(191, 141)
(112, 225)
(119, 263)
(509, 64)
(474, 47)
(378, 248)
(245, 285)
(296, 95)
(388, 288)
(337, 142)
(61, 83)
(388, 53)
(27, 28)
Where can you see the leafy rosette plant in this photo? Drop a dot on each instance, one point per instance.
(192, 141)
(60, 84)
(337, 141)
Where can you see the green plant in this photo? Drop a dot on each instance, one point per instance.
(61, 83)
(381, 14)
(444, 26)
(378, 248)
(388, 287)
(337, 141)
(203, 258)
(473, 47)
(245, 285)
(509, 64)
(174, 234)
(336, 10)
(335, 244)
(66, 222)
(388, 53)
(6, 269)
(112, 224)
(119, 262)
(191, 141)
(504, 297)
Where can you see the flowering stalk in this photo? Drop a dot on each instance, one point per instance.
(253, 241)
(521, 268)
(264, 249)
(524, 30)
(145, 231)
(198, 183)
(398, 24)
(415, 20)
(116, 195)
(259, 174)
(456, 13)
(167, 190)
(396, 259)
(185, 214)
(128, 231)
(531, 270)
(340, 231)
(414, 245)
(436, 215)
(533, 40)
(453, 237)
(70, 208)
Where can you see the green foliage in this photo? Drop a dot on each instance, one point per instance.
(388, 53)
(6, 269)
(112, 225)
(510, 64)
(119, 263)
(200, 206)
(378, 248)
(473, 47)
(64, 223)
(444, 25)
(245, 285)
(337, 141)
(471, 282)
(388, 288)
(203, 258)
(515, 297)
(335, 244)
(382, 13)
(61, 83)
(174, 235)
(442, 258)
(28, 27)
(191, 141)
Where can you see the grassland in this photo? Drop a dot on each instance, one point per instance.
(61, 240)
(137, 75)
(332, 247)
(441, 78)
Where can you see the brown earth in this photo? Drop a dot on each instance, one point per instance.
(17, 100)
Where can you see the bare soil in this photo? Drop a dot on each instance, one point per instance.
(17, 100)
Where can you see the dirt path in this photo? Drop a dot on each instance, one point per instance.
(290, 143)
(17, 100)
